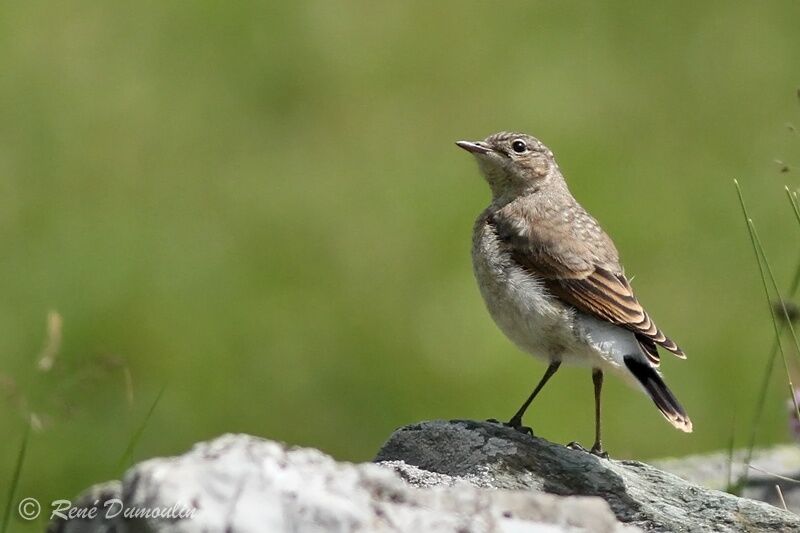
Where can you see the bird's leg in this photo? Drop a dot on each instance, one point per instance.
(597, 447)
(516, 420)
(597, 379)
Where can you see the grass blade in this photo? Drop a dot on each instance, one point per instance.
(127, 456)
(762, 393)
(729, 462)
(780, 495)
(759, 411)
(23, 449)
(786, 314)
(793, 200)
(758, 251)
(776, 476)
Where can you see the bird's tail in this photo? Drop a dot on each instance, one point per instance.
(660, 393)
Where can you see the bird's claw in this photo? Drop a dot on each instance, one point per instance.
(517, 425)
(575, 445)
(513, 424)
(597, 449)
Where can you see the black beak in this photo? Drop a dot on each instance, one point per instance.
(477, 147)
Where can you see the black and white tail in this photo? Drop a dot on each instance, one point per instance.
(660, 393)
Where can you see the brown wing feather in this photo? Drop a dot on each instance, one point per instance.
(584, 274)
(610, 296)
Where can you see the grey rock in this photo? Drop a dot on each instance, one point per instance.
(239, 483)
(489, 455)
(772, 470)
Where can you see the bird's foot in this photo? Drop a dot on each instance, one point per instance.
(575, 445)
(597, 449)
(516, 423)
(513, 424)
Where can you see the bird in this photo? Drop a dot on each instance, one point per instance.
(552, 281)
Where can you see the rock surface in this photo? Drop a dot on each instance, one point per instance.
(490, 455)
(778, 466)
(459, 476)
(239, 483)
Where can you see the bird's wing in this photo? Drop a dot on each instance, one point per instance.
(582, 271)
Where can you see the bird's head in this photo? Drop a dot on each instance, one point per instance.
(514, 163)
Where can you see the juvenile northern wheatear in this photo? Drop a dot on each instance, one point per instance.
(552, 280)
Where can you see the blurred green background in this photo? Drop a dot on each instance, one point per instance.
(259, 207)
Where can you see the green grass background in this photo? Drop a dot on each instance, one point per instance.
(259, 205)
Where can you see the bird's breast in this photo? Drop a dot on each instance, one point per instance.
(518, 302)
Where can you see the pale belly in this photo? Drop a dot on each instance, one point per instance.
(538, 323)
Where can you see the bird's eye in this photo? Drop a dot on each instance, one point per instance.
(519, 146)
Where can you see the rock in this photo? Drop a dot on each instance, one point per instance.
(91, 500)
(239, 483)
(778, 466)
(489, 455)
(459, 476)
